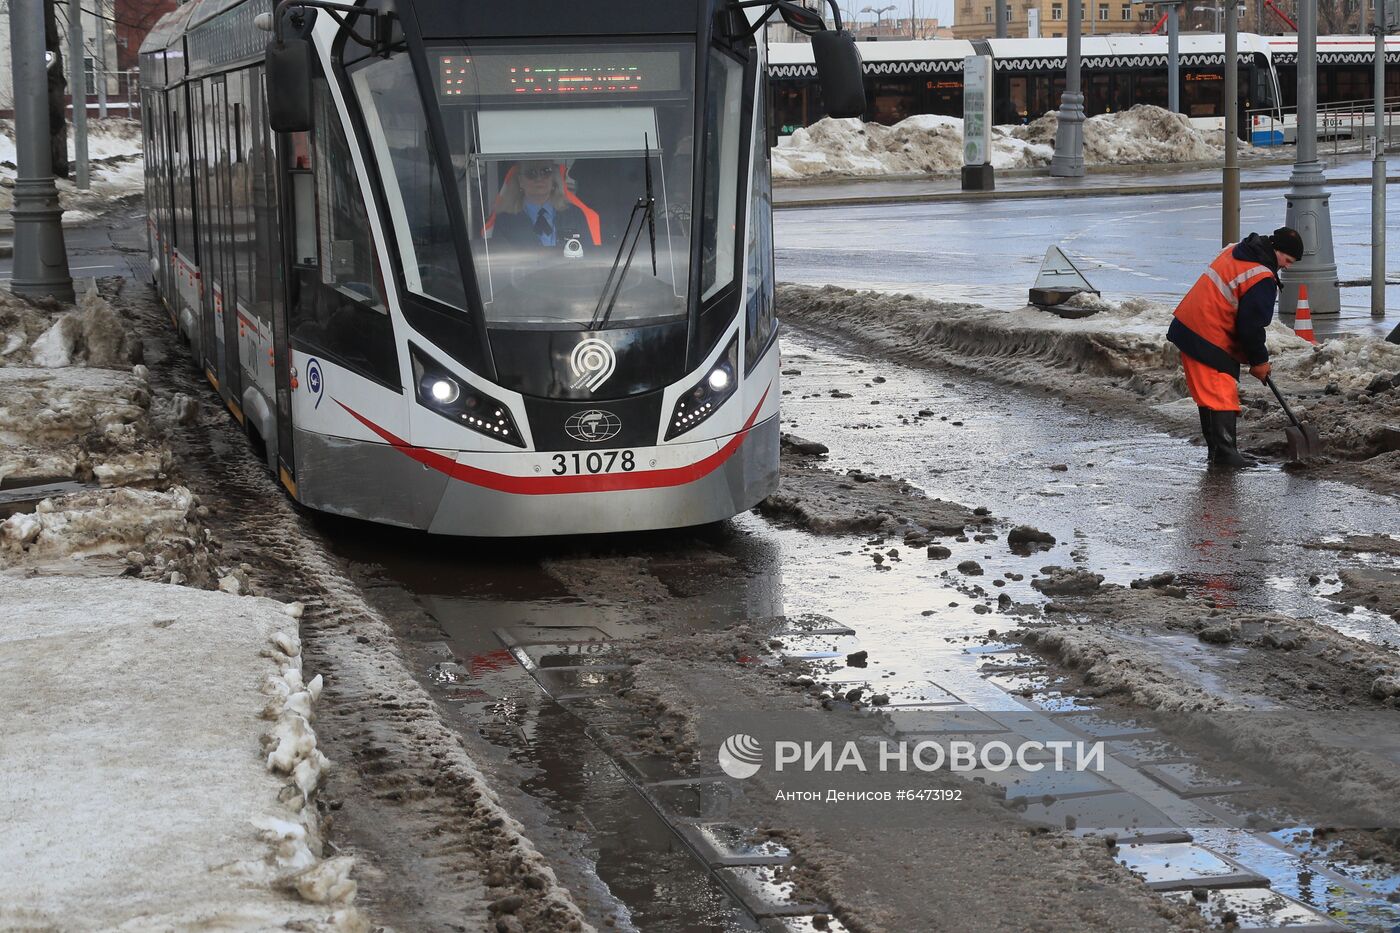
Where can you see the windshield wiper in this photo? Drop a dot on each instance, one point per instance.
(644, 211)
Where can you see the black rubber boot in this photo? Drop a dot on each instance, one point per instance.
(1224, 450)
(1206, 432)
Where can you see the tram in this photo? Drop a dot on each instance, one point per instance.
(1345, 68)
(453, 274)
(904, 78)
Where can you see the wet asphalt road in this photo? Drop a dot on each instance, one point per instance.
(1130, 502)
(1152, 246)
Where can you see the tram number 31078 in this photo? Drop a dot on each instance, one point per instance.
(610, 461)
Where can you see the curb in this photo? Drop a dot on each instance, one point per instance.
(1026, 194)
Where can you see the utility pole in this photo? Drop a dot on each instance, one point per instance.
(1378, 144)
(1068, 161)
(1173, 59)
(99, 61)
(1361, 17)
(1000, 15)
(77, 86)
(40, 260)
(1308, 210)
(1230, 208)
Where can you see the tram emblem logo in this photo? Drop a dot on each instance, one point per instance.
(314, 380)
(592, 426)
(592, 361)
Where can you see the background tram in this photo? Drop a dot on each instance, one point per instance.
(496, 282)
(1344, 68)
(913, 77)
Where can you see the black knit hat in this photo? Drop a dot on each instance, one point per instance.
(1287, 240)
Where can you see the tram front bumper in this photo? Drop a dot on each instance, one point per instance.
(427, 490)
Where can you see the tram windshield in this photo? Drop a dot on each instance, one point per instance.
(572, 167)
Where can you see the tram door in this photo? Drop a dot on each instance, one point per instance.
(201, 161)
(277, 192)
(221, 285)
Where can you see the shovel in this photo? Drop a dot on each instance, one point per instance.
(1303, 439)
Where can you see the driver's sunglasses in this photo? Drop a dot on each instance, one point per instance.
(540, 172)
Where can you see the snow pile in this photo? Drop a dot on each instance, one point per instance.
(917, 145)
(1348, 363)
(114, 139)
(133, 794)
(1122, 346)
(46, 335)
(929, 143)
(293, 861)
(116, 167)
(1142, 135)
(61, 420)
(97, 522)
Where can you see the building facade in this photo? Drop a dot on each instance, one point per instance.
(112, 33)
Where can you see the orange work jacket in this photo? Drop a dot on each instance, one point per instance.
(1207, 313)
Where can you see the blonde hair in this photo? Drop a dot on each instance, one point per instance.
(512, 197)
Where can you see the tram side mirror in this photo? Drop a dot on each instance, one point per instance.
(839, 71)
(289, 72)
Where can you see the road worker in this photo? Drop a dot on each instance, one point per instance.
(1220, 324)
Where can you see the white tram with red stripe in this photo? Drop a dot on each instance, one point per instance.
(454, 274)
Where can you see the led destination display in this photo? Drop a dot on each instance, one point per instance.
(557, 73)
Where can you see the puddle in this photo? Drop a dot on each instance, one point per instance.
(1255, 908)
(1175, 866)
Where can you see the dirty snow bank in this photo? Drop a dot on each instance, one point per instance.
(929, 143)
(137, 709)
(173, 816)
(115, 159)
(917, 145)
(826, 502)
(1120, 355)
(88, 423)
(1324, 689)
(1141, 135)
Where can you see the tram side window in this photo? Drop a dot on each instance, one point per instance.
(340, 309)
(1202, 93)
(408, 163)
(724, 101)
(760, 319)
(1150, 89)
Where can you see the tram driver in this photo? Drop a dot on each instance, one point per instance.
(536, 209)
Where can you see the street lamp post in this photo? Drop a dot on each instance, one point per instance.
(1068, 161)
(40, 260)
(1308, 210)
(1378, 143)
(1230, 188)
(1173, 59)
(879, 14)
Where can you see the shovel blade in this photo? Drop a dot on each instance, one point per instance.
(1304, 442)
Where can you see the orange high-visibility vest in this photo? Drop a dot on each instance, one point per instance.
(1209, 308)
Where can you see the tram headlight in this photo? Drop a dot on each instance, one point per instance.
(696, 405)
(444, 391)
(439, 390)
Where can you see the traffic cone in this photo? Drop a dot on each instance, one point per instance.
(1302, 322)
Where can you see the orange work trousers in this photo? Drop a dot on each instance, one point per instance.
(1210, 387)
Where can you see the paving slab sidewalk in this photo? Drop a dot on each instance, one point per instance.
(133, 787)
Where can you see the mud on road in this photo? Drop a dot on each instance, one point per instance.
(434, 848)
(855, 600)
